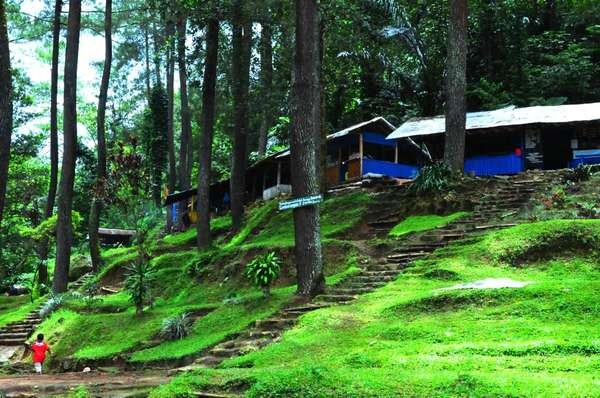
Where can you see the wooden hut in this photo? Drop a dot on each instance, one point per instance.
(511, 140)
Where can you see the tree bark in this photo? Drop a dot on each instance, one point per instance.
(157, 45)
(242, 33)
(266, 78)
(305, 147)
(456, 86)
(97, 200)
(208, 121)
(51, 199)
(186, 119)
(147, 59)
(6, 108)
(172, 180)
(64, 229)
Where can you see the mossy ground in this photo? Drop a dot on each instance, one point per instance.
(14, 308)
(424, 223)
(411, 338)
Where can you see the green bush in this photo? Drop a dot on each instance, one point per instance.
(435, 177)
(177, 327)
(263, 270)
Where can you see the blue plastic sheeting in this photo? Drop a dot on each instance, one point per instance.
(389, 169)
(374, 138)
(585, 160)
(174, 214)
(494, 164)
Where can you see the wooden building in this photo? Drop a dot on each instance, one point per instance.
(358, 151)
(510, 140)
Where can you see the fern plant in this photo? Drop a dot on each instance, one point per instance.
(263, 270)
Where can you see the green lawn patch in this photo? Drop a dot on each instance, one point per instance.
(424, 223)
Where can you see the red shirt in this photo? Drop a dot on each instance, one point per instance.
(39, 351)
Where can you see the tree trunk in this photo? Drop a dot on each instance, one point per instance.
(157, 45)
(208, 121)
(305, 147)
(97, 200)
(6, 108)
(186, 119)
(51, 199)
(186, 123)
(456, 85)
(242, 32)
(147, 59)
(172, 180)
(266, 78)
(64, 232)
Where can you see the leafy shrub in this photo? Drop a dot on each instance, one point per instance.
(263, 270)
(588, 210)
(557, 199)
(582, 172)
(177, 327)
(80, 392)
(435, 177)
(138, 283)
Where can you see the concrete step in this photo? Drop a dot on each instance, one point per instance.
(260, 334)
(224, 352)
(381, 273)
(11, 342)
(274, 323)
(351, 291)
(368, 279)
(373, 285)
(11, 336)
(422, 248)
(335, 298)
(208, 361)
(389, 266)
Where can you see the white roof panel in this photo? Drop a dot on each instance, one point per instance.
(504, 117)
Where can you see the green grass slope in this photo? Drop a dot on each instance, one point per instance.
(415, 337)
(110, 329)
(424, 223)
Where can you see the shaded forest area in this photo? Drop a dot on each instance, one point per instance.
(214, 77)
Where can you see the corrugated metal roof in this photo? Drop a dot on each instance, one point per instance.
(384, 127)
(504, 117)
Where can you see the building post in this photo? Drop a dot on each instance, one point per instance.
(360, 151)
(396, 153)
(279, 173)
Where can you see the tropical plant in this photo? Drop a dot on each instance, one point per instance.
(176, 327)
(582, 172)
(263, 270)
(138, 283)
(435, 177)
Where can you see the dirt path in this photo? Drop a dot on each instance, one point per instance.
(99, 384)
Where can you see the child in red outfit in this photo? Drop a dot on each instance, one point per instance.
(39, 349)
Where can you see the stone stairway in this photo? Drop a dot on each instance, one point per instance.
(16, 333)
(81, 282)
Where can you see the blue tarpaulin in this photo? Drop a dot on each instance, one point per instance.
(389, 169)
(379, 139)
(488, 165)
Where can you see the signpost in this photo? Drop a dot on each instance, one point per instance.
(300, 202)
